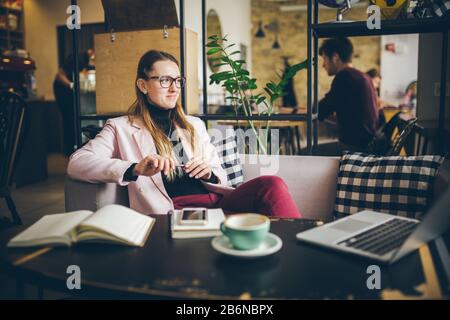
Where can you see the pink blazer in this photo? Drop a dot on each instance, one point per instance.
(122, 143)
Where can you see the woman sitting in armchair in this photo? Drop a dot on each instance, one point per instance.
(166, 158)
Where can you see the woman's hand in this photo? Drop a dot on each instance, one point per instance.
(152, 165)
(198, 168)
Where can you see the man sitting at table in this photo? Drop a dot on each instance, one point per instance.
(352, 97)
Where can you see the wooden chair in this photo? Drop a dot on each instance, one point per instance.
(12, 111)
(392, 136)
(401, 137)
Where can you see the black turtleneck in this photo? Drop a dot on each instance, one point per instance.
(162, 117)
(182, 184)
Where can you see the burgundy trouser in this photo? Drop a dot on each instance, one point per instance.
(267, 195)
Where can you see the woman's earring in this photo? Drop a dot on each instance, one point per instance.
(144, 91)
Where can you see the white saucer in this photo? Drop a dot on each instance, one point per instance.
(270, 245)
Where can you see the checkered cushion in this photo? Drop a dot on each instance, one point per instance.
(229, 157)
(441, 8)
(430, 8)
(395, 185)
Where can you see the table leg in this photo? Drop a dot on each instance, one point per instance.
(290, 140)
(297, 134)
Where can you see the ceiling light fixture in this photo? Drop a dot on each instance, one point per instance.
(276, 44)
(260, 32)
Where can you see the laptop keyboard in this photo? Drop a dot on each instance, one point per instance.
(383, 238)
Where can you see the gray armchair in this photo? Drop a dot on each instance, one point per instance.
(311, 181)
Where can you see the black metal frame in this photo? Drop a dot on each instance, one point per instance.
(182, 47)
(389, 27)
(206, 117)
(12, 150)
(444, 62)
(76, 85)
(310, 117)
(205, 84)
(309, 79)
(315, 31)
(316, 81)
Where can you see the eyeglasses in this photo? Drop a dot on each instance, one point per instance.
(166, 81)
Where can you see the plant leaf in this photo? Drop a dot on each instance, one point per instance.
(242, 72)
(213, 50)
(233, 53)
(229, 46)
(268, 91)
(271, 86)
(260, 99)
(219, 65)
(212, 44)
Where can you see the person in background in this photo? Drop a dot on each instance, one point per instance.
(376, 79)
(352, 97)
(410, 97)
(63, 91)
(375, 76)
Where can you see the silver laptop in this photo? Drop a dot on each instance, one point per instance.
(382, 237)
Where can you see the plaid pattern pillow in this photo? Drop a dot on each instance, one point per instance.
(229, 158)
(430, 8)
(441, 8)
(394, 185)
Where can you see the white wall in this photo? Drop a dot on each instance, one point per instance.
(234, 16)
(41, 19)
(398, 69)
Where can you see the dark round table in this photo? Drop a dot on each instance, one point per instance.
(191, 268)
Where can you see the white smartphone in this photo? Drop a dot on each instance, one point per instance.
(194, 216)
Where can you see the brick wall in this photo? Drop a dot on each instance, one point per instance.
(293, 42)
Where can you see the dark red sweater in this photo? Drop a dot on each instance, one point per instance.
(353, 98)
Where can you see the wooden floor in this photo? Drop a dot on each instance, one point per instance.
(33, 202)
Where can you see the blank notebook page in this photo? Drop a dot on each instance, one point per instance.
(119, 221)
(54, 225)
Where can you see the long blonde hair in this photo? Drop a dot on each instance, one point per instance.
(139, 109)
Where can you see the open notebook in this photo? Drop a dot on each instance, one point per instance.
(110, 224)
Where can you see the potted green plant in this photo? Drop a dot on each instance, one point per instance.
(240, 87)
